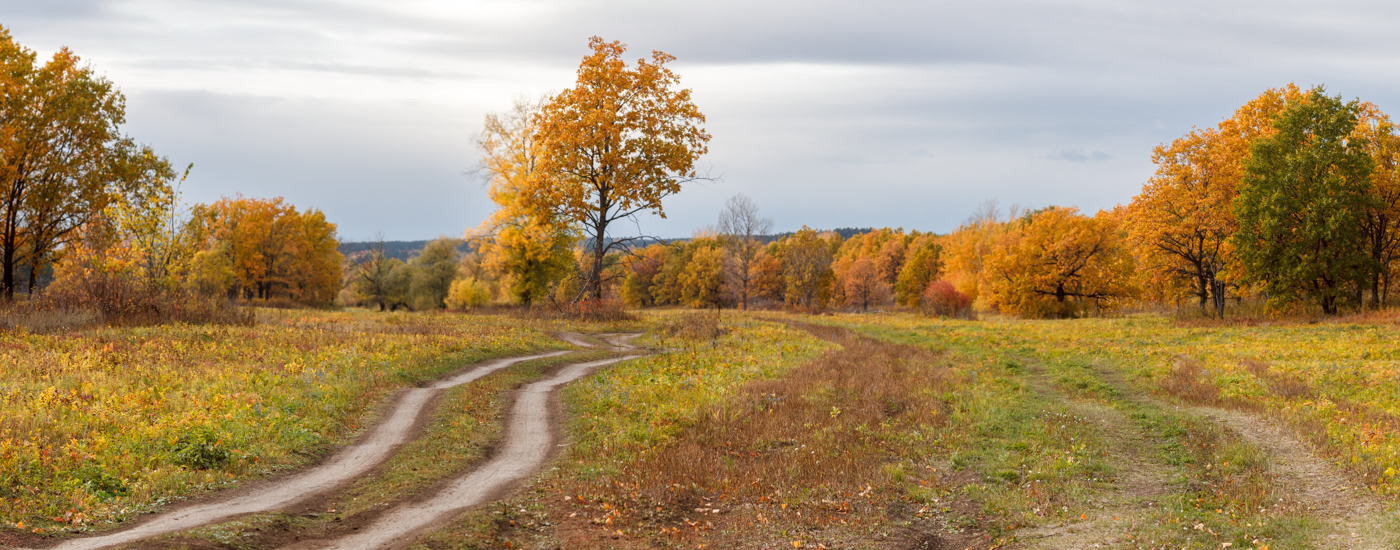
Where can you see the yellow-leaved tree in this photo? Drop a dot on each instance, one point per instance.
(532, 246)
(1382, 221)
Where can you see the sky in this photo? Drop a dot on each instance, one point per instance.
(827, 114)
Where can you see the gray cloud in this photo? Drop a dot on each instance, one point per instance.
(827, 113)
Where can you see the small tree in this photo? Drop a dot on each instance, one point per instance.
(740, 226)
(924, 265)
(807, 268)
(436, 269)
(863, 285)
(371, 277)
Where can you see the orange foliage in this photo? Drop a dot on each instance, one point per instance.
(273, 250)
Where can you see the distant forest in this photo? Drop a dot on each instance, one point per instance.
(406, 250)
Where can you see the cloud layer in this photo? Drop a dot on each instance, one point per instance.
(826, 113)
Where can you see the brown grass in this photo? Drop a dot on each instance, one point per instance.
(694, 326)
(1186, 382)
(605, 310)
(819, 456)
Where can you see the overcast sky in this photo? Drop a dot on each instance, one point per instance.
(829, 114)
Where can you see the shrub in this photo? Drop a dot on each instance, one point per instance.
(941, 299)
(467, 294)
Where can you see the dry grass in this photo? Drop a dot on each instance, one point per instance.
(116, 301)
(693, 326)
(607, 310)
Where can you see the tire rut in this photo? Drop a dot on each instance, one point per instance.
(396, 427)
(1352, 515)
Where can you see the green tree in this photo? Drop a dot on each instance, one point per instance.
(1303, 202)
(399, 284)
(371, 276)
(436, 268)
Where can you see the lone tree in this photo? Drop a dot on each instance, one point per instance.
(614, 145)
(1303, 203)
(740, 226)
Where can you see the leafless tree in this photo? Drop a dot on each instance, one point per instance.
(739, 227)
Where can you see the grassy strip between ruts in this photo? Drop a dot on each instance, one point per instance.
(467, 423)
(102, 424)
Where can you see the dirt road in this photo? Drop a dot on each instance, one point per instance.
(529, 441)
(394, 429)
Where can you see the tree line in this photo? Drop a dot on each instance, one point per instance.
(1293, 202)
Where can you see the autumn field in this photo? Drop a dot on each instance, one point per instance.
(743, 430)
(894, 431)
(105, 423)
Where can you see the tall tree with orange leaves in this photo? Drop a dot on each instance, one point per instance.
(613, 146)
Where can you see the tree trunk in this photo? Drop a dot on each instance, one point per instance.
(595, 275)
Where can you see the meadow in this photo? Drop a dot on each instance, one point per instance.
(753, 430)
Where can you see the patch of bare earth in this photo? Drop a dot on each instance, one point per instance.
(1354, 518)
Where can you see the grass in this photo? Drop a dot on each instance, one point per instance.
(101, 424)
(1222, 489)
(626, 415)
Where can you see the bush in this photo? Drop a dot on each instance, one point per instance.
(941, 299)
(467, 294)
(200, 449)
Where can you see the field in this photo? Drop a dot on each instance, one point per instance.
(759, 430)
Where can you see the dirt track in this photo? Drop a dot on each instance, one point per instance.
(528, 444)
(528, 440)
